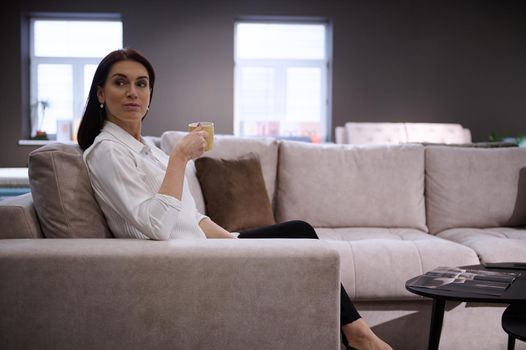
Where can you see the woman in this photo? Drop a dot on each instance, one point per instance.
(143, 192)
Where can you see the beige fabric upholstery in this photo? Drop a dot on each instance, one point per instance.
(345, 186)
(437, 133)
(395, 133)
(475, 187)
(62, 194)
(132, 294)
(375, 133)
(340, 135)
(376, 261)
(18, 218)
(185, 295)
(230, 147)
(491, 244)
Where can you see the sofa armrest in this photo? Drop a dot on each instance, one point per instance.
(134, 294)
(18, 218)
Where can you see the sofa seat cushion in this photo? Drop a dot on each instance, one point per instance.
(376, 262)
(351, 186)
(495, 244)
(229, 147)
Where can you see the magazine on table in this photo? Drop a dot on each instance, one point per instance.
(467, 280)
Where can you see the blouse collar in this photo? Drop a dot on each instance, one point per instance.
(124, 137)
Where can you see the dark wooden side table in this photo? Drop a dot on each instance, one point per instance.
(515, 294)
(514, 323)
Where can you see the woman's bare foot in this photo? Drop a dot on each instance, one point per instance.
(360, 336)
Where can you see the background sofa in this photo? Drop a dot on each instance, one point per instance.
(395, 133)
(384, 213)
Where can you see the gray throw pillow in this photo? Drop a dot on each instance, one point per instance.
(234, 192)
(62, 194)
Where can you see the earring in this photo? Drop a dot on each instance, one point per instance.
(101, 105)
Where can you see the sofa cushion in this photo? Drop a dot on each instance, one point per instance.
(475, 187)
(395, 133)
(437, 133)
(234, 192)
(375, 133)
(230, 147)
(483, 144)
(377, 261)
(18, 218)
(495, 244)
(62, 194)
(345, 186)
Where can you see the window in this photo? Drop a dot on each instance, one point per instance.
(281, 79)
(64, 53)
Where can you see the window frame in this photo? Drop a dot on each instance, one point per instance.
(31, 62)
(282, 64)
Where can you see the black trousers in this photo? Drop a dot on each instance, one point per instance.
(303, 230)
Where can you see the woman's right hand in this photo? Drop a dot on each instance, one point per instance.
(192, 145)
(189, 147)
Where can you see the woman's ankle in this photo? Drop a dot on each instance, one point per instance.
(360, 336)
(357, 329)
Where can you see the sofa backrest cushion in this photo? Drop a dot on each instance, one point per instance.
(230, 147)
(62, 193)
(352, 186)
(395, 133)
(437, 133)
(475, 187)
(375, 133)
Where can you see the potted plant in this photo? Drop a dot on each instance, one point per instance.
(519, 140)
(43, 105)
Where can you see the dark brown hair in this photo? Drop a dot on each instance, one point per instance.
(94, 116)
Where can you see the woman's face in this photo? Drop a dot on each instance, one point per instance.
(126, 92)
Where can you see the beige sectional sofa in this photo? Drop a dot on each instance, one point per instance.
(384, 213)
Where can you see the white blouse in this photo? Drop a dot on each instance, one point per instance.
(126, 176)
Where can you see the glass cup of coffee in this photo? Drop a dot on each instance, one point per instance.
(209, 128)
